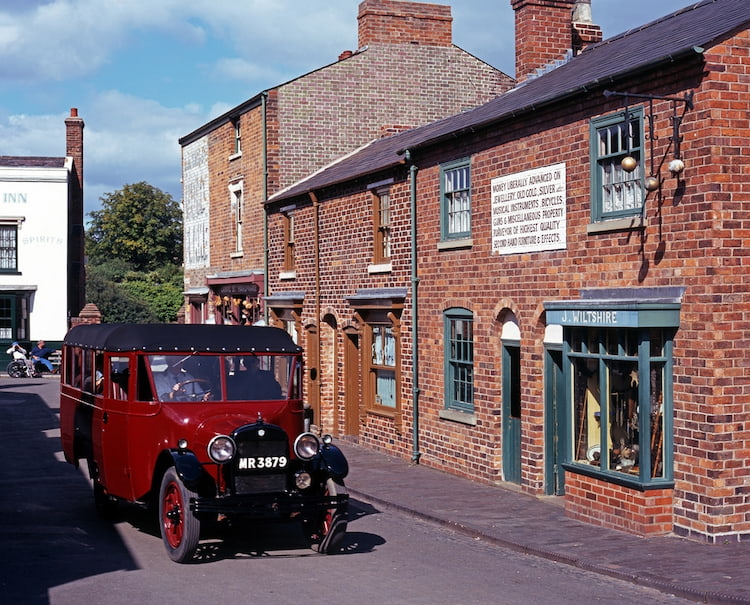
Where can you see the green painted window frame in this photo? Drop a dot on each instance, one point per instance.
(601, 349)
(616, 193)
(459, 360)
(455, 196)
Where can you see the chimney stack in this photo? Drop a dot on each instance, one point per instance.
(74, 143)
(547, 30)
(76, 272)
(397, 22)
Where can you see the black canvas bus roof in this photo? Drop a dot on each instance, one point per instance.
(154, 338)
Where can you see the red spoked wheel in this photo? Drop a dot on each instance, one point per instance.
(327, 530)
(180, 528)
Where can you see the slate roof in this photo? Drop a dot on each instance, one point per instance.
(9, 161)
(674, 36)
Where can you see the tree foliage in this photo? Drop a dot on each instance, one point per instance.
(134, 250)
(139, 224)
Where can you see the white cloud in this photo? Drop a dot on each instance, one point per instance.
(66, 39)
(128, 140)
(215, 54)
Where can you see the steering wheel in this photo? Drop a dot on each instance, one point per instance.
(195, 389)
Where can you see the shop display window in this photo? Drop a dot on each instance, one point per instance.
(621, 402)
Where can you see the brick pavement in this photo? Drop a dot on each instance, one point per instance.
(709, 573)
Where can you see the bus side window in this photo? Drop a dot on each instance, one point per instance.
(73, 367)
(88, 371)
(98, 372)
(119, 374)
(142, 382)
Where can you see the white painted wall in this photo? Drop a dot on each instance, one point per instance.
(40, 197)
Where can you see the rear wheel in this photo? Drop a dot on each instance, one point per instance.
(180, 528)
(16, 369)
(326, 530)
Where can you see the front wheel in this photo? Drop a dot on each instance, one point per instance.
(327, 530)
(180, 528)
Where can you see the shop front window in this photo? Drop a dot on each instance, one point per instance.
(621, 396)
(383, 366)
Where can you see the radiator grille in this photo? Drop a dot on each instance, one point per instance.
(261, 464)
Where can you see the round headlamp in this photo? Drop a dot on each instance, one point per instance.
(221, 449)
(306, 446)
(303, 480)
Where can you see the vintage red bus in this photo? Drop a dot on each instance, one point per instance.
(199, 421)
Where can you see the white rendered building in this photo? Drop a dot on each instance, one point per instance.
(41, 242)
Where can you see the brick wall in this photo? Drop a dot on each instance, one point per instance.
(696, 236)
(712, 434)
(332, 111)
(642, 513)
(228, 169)
(409, 74)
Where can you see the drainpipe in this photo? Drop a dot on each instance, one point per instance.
(316, 238)
(264, 144)
(415, 311)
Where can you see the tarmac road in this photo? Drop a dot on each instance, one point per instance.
(56, 551)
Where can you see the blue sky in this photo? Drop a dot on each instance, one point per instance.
(144, 73)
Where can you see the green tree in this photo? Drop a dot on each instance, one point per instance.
(139, 224)
(134, 250)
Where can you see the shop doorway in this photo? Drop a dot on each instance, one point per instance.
(511, 393)
(554, 422)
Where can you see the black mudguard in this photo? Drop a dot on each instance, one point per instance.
(188, 468)
(335, 461)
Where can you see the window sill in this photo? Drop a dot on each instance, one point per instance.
(622, 479)
(456, 416)
(236, 254)
(382, 411)
(286, 275)
(618, 224)
(455, 244)
(379, 268)
(235, 156)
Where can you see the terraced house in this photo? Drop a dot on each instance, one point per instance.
(552, 289)
(405, 72)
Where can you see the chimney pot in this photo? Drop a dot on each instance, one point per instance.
(582, 11)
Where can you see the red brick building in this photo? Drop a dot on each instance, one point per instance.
(406, 72)
(552, 289)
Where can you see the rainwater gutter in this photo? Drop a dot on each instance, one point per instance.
(414, 309)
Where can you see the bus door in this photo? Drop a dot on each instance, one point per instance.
(111, 420)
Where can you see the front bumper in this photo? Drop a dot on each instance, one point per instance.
(266, 506)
